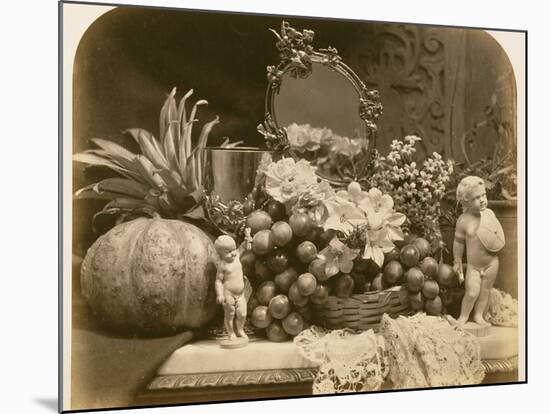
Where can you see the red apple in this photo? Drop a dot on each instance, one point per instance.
(295, 296)
(279, 306)
(300, 223)
(306, 252)
(284, 279)
(409, 255)
(414, 279)
(262, 243)
(277, 261)
(433, 306)
(258, 220)
(320, 295)
(393, 271)
(429, 266)
(343, 287)
(430, 289)
(261, 318)
(446, 275)
(306, 284)
(281, 233)
(266, 292)
(423, 246)
(293, 324)
(275, 332)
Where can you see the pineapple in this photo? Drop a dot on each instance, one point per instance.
(165, 179)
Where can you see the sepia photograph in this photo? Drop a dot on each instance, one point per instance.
(263, 206)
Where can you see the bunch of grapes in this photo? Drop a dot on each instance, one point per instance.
(278, 266)
(432, 286)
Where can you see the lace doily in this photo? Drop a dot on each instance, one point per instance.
(503, 309)
(348, 362)
(427, 351)
(414, 352)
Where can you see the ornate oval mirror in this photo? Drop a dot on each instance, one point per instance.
(318, 109)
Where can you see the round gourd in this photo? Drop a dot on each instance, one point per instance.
(152, 276)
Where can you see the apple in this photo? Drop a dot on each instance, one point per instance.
(300, 223)
(306, 284)
(295, 296)
(317, 269)
(279, 306)
(446, 275)
(277, 261)
(433, 306)
(275, 332)
(261, 318)
(293, 324)
(423, 246)
(343, 287)
(414, 279)
(262, 242)
(320, 295)
(276, 210)
(416, 300)
(430, 289)
(393, 271)
(409, 255)
(266, 292)
(258, 220)
(284, 279)
(281, 233)
(429, 266)
(306, 252)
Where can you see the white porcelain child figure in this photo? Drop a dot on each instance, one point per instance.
(230, 285)
(480, 230)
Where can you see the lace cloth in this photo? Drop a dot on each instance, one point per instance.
(503, 309)
(413, 352)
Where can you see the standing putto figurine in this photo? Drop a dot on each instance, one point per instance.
(480, 230)
(230, 287)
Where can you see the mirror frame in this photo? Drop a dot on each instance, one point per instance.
(297, 58)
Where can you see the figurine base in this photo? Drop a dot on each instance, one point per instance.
(234, 343)
(476, 329)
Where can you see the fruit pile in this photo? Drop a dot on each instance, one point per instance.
(284, 270)
(432, 286)
(288, 275)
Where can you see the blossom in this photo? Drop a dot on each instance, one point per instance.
(338, 257)
(303, 137)
(346, 146)
(286, 179)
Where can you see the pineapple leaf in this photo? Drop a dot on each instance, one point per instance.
(166, 112)
(122, 186)
(113, 148)
(149, 146)
(171, 151)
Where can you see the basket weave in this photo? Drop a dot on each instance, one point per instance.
(362, 311)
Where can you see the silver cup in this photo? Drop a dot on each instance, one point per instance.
(231, 172)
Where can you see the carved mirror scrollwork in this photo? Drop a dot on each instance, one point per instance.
(317, 108)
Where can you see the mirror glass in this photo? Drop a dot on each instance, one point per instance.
(321, 115)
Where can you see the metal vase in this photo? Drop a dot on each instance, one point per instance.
(231, 172)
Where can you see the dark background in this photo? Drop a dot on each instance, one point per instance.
(434, 82)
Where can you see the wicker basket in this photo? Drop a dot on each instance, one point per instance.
(362, 311)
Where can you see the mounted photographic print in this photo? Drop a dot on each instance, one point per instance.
(265, 206)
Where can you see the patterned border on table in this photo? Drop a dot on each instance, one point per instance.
(278, 376)
(237, 378)
(500, 365)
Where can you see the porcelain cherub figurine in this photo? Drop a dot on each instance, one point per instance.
(480, 230)
(230, 287)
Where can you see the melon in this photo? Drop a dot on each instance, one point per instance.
(151, 276)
